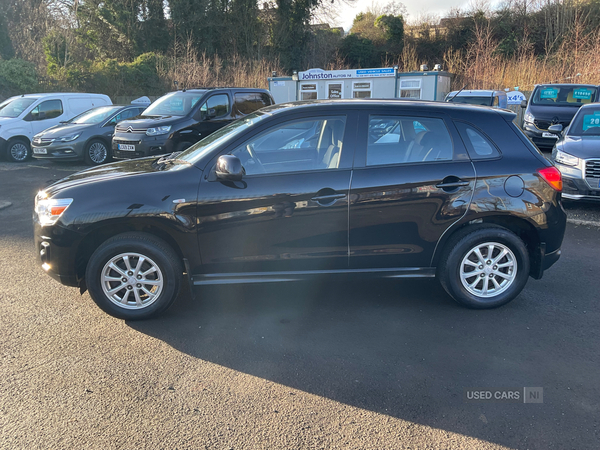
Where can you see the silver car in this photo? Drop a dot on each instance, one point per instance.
(577, 154)
(86, 137)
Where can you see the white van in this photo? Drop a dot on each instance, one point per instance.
(24, 116)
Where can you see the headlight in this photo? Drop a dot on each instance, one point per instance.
(566, 159)
(158, 130)
(49, 210)
(69, 138)
(528, 117)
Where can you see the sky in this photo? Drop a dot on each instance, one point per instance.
(415, 9)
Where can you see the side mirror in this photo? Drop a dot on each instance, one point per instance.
(555, 129)
(523, 103)
(212, 112)
(229, 168)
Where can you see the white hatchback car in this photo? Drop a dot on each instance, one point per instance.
(24, 116)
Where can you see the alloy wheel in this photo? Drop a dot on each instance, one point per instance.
(132, 280)
(488, 269)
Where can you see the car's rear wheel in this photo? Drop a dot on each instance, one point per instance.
(18, 150)
(484, 266)
(96, 153)
(134, 276)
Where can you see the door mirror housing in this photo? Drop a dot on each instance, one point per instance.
(523, 103)
(555, 129)
(212, 112)
(229, 168)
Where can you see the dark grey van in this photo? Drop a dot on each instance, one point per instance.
(554, 104)
(179, 119)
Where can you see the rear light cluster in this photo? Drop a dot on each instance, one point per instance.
(553, 177)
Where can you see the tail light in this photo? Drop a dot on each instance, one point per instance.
(553, 177)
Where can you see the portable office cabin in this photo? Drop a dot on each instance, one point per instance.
(360, 83)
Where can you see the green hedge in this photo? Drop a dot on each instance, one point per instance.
(17, 77)
(139, 77)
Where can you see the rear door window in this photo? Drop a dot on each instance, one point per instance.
(248, 102)
(405, 139)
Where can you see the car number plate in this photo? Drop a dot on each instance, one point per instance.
(40, 151)
(549, 135)
(128, 147)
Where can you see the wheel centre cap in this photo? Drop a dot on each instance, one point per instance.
(488, 269)
(131, 281)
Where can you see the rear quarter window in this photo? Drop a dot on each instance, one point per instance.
(479, 146)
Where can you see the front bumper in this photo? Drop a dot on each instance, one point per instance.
(64, 151)
(54, 247)
(535, 134)
(143, 145)
(576, 186)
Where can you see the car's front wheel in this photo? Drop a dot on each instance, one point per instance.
(96, 153)
(134, 276)
(484, 266)
(18, 150)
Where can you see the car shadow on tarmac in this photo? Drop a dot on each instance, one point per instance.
(397, 347)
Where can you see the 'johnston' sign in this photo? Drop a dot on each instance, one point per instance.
(320, 74)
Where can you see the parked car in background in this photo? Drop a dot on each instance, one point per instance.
(554, 104)
(308, 189)
(577, 154)
(24, 116)
(86, 137)
(497, 99)
(181, 118)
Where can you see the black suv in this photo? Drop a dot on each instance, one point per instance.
(554, 104)
(181, 118)
(385, 188)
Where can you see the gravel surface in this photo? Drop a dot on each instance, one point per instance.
(331, 364)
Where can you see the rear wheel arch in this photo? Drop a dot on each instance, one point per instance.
(519, 226)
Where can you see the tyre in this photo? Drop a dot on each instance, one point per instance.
(484, 266)
(18, 150)
(96, 152)
(134, 276)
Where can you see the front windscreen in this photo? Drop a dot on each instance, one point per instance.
(221, 137)
(174, 104)
(586, 123)
(563, 95)
(14, 108)
(95, 115)
(483, 101)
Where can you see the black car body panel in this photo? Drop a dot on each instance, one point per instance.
(185, 129)
(391, 219)
(553, 113)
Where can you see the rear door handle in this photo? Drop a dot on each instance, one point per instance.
(327, 198)
(452, 184)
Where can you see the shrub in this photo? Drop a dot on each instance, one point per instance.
(17, 77)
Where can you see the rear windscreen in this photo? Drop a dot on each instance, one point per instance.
(572, 95)
(483, 101)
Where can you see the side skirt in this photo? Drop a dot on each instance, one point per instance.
(276, 277)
